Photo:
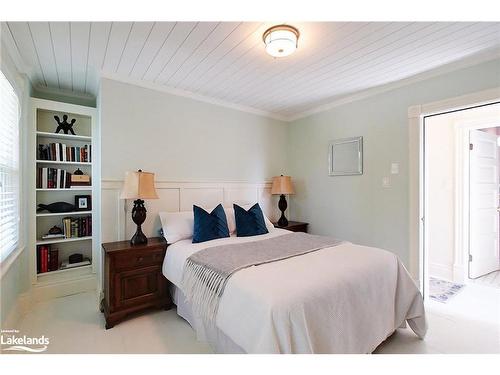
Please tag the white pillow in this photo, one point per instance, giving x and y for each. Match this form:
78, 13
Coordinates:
177, 225
231, 221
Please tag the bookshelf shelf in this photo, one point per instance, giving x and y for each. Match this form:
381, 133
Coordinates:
69, 137
88, 266
67, 189
48, 254
63, 162
62, 240
72, 213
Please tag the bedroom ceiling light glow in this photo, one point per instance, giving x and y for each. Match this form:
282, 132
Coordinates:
281, 40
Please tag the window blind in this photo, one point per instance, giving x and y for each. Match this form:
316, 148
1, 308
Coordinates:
9, 168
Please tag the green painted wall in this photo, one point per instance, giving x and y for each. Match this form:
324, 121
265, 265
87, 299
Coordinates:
358, 208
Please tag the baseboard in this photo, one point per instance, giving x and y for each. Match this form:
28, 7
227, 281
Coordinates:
441, 271
43, 292
458, 273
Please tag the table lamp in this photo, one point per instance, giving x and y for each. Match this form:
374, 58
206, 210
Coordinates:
282, 185
139, 186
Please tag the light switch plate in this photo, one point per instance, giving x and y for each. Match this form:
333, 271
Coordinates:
386, 182
394, 168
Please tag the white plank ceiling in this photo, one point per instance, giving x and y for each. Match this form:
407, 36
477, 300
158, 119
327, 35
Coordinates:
226, 62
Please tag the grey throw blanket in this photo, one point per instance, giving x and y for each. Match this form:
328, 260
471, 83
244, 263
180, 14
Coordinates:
207, 271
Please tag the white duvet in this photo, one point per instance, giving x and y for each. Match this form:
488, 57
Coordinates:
345, 299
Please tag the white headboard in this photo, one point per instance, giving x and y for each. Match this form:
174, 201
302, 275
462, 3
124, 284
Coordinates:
116, 223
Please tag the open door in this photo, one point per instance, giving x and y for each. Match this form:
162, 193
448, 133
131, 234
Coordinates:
484, 208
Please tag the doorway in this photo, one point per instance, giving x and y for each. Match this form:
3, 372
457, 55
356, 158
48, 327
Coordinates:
462, 210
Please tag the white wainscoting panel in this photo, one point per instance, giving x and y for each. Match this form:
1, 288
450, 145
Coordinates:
206, 197
178, 196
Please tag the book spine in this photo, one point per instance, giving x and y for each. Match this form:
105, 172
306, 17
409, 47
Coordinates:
58, 178
45, 178
38, 259
53, 260
44, 259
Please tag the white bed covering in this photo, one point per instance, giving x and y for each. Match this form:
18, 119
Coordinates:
345, 299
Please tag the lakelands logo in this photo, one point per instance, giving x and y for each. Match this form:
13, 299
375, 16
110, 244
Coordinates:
22, 343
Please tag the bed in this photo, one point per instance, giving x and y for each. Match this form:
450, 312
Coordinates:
342, 299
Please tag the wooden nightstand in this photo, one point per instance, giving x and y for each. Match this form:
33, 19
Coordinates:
133, 280
294, 226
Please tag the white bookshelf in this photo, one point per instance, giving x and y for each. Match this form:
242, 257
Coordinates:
64, 214
81, 188
43, 126
63, 136
62, 240
63, 162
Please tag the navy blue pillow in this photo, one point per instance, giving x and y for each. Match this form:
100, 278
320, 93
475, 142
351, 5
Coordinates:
209, 226
251, 222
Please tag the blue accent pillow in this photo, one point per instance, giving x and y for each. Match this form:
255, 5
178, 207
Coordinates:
209, 226
251, 222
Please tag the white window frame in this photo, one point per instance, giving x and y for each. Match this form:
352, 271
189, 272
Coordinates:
7, 260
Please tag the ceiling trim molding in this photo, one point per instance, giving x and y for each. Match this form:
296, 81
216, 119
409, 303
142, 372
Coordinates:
190, 95
448, 68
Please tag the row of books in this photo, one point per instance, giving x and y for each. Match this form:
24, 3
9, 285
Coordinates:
61, 152
53, 178
47, 259
77, 226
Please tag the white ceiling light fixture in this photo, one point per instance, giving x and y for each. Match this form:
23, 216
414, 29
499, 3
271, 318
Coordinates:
281, 40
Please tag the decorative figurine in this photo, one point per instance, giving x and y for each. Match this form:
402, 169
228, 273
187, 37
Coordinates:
64, 125
56, 207
55, 230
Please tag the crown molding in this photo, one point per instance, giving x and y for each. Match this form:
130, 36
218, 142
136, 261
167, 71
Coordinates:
457, 65
190, 95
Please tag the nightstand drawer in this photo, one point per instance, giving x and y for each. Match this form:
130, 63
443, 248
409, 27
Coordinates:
138, 259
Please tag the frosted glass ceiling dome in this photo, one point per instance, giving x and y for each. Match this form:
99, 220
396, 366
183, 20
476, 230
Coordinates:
281, 40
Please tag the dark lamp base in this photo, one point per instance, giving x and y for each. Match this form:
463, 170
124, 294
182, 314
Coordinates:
139, 238
138, 216
282, 205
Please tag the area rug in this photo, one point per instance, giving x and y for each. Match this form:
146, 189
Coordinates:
442, 291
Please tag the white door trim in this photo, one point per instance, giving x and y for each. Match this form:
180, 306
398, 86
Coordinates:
416, 116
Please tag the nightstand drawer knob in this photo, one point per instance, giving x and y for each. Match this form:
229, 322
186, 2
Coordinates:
140, 259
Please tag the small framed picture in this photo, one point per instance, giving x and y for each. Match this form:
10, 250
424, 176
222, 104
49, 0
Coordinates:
83, 202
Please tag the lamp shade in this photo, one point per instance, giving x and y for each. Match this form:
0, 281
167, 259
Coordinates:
139, 185
282, 185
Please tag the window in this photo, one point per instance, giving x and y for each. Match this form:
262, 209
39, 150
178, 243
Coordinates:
9, 168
